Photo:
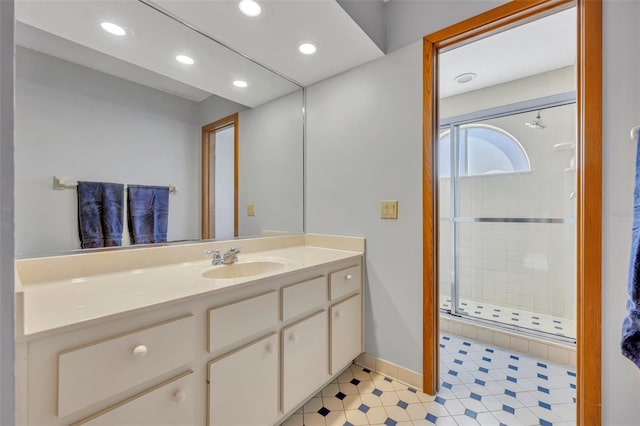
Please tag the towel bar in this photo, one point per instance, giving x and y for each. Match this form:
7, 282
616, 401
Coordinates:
60, 184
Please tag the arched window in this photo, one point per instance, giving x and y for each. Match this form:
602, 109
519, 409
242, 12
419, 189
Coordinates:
483, 150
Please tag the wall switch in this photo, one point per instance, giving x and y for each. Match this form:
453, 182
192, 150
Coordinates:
251, 209
389, 209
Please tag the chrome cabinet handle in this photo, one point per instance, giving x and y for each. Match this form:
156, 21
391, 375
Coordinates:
349, 276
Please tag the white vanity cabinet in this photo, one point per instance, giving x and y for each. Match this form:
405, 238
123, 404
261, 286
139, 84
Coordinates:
248, 356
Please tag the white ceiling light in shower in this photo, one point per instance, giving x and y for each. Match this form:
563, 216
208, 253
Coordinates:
240, 83
465, 78
250, 8
536, 123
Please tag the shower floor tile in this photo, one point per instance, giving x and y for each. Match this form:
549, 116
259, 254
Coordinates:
518, 317
481, 384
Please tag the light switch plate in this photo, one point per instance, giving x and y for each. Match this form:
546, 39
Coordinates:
251, 209
389, 209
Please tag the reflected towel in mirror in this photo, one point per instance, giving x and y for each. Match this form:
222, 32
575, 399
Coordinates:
631, 325
100, 214
148, 213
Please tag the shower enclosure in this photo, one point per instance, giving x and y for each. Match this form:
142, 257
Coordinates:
507, 210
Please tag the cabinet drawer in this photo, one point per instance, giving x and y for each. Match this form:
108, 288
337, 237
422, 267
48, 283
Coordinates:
345, 281
234, 322
97, 371
168, 404
303, 297
243, 386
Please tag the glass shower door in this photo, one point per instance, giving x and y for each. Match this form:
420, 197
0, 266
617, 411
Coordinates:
507, 220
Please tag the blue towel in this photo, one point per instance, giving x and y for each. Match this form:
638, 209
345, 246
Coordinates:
148, 213
631, 325
100, 214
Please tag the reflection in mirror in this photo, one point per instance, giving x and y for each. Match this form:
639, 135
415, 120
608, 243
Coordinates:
507, 178
118, 92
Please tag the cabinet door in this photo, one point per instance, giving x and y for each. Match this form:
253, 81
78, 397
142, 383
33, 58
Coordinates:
305, 347
346, 332
243, 386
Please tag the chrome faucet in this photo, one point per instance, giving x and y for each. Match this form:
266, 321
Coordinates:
217, 258
231, 256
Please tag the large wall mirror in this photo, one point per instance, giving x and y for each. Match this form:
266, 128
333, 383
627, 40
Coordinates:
127, 104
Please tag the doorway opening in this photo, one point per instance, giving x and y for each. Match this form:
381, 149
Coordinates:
220, 178
588, 197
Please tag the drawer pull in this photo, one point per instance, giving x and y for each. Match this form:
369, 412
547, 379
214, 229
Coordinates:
180, 396
140, 351
269, 349
293, 338
349, 276
338, 314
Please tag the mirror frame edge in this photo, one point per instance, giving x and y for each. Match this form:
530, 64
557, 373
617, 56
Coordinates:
589, 188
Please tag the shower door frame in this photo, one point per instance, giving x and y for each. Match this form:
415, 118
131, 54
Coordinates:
454, 124
589, 186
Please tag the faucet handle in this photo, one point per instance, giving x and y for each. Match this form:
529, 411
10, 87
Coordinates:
234, 250
217, 258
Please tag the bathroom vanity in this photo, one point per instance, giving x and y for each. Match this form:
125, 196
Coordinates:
159, 336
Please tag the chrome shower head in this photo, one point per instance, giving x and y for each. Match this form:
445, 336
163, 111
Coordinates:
536, 123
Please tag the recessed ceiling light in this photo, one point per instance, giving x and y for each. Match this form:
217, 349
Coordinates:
114, 29
307, 48
183, 59
240, 83
465, 78
250, 8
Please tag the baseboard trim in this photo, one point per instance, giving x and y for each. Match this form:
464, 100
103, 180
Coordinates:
393, 371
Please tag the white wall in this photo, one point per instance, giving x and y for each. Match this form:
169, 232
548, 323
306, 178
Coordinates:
7, 381
271, 166
82, 124
215, 108
363, 146
621, 111
410, 20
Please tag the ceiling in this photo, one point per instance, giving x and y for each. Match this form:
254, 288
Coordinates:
273, 37
71, 30
543, 45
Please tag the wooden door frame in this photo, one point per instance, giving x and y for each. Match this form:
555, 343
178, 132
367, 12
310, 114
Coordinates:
207, 172
589, 187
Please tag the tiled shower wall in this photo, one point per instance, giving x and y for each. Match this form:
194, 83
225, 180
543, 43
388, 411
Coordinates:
528, 266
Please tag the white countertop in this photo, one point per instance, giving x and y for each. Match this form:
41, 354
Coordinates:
56, 304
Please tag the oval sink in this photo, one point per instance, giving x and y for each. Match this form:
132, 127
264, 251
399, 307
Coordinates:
243, 269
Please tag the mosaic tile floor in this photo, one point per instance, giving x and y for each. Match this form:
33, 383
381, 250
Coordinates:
520, 317
481, 385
